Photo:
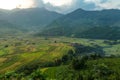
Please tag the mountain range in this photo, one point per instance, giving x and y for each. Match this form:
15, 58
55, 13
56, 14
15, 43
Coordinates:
29, 19
104, 24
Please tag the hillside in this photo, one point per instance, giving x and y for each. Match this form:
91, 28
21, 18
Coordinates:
7, 28
102, 24
30, 19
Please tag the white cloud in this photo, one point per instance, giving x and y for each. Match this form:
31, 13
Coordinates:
111, 4
104, 4
11, 4
70, 5
62, 6
58, 2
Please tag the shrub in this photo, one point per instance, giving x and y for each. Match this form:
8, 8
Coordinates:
101, 71
78, 63
36, 75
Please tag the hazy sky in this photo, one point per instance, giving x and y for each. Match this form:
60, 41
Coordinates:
62, 6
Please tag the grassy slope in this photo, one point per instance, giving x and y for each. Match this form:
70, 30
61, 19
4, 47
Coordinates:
22, 52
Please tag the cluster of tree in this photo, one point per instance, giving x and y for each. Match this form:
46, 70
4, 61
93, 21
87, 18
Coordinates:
78, 63
11, 76
36, 75
98, 71
83, 49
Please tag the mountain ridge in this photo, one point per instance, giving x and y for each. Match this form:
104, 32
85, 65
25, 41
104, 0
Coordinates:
78, 22
29, 18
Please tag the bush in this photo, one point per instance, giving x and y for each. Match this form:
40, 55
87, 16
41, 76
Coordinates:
101, 71
36, 75
94, 56
11, 76
78, 63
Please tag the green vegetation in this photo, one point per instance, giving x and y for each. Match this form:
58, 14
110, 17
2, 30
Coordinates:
101, 69
103, 24
18, 21
59, 58
82, 45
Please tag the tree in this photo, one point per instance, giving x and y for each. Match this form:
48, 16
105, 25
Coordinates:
36, 75
101, 71
78, 63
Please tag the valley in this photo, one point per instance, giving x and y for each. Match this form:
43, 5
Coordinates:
21, 57
38, 44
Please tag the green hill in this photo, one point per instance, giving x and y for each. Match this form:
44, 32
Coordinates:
7, 28
30, 19
87, 24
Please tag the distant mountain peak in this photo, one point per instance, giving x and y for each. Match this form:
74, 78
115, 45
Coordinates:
80, 9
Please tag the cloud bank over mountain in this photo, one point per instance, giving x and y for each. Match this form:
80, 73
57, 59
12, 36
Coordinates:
65, 6
104, 4
61, 6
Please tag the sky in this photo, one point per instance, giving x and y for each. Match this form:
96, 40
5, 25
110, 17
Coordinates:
61, 6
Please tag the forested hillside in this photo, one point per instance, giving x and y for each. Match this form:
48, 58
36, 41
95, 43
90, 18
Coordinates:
102, 24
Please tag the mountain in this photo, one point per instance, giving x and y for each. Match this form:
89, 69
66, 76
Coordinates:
7, 28
104, 24
31, 18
